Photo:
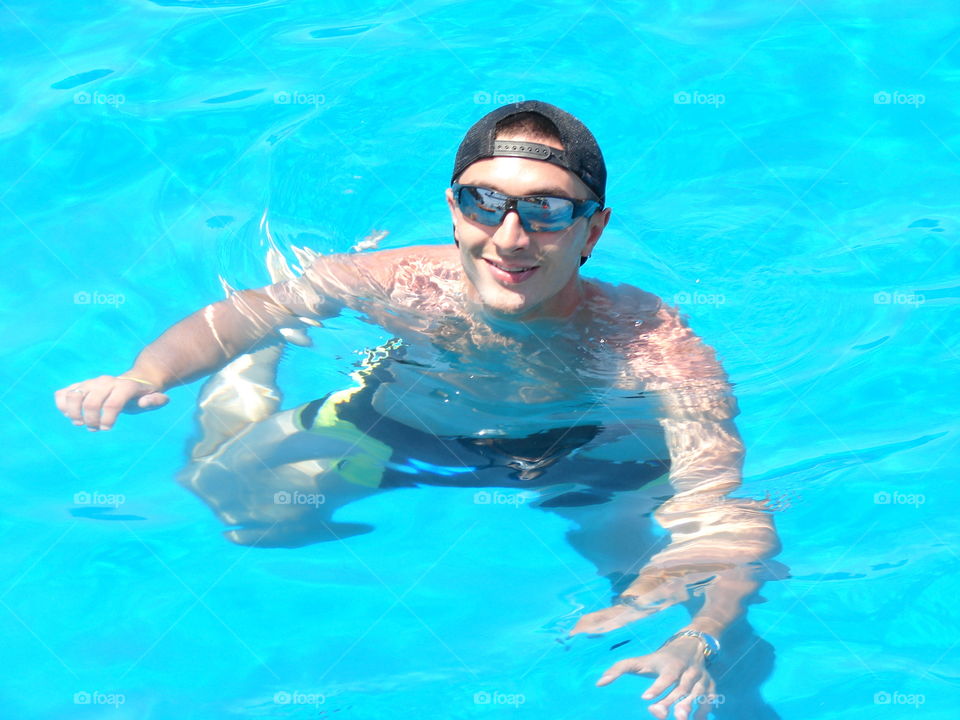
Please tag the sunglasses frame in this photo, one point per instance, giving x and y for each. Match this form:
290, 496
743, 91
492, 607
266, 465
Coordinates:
581, 208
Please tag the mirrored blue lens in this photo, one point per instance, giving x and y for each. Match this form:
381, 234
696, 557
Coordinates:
537, 213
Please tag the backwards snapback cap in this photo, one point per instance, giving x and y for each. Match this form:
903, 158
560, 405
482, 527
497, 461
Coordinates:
580, 155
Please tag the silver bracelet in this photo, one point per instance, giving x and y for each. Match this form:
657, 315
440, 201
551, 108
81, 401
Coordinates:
711, 646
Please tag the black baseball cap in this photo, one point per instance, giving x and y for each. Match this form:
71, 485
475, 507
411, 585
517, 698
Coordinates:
580, 155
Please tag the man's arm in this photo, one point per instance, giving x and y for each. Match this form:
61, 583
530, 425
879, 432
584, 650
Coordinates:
716, 542
207, 340
714, 539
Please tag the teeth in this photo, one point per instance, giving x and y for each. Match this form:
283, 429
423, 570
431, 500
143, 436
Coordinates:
512, 270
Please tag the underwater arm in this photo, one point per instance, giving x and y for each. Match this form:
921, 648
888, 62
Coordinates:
717, 543
216, 334
198, 345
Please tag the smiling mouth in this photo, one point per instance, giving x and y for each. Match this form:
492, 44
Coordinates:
510, 274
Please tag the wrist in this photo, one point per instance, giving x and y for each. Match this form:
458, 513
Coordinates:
706, 625
145, 377
709, 645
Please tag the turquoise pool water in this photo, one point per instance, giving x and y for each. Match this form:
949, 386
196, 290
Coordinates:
787, 173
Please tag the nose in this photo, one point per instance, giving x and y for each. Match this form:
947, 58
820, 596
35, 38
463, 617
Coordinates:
511, 236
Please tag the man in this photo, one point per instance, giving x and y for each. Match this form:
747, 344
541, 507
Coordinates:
508, 369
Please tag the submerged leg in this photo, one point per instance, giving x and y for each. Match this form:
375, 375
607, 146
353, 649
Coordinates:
278, 485
275, 483
259, 470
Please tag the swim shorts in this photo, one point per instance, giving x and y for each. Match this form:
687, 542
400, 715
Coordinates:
386, 453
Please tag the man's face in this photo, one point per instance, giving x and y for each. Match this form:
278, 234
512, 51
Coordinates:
548, 284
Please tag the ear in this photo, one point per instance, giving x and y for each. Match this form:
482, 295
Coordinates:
597, 223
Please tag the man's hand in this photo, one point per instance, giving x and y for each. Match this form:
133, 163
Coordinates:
97, 402
679, 664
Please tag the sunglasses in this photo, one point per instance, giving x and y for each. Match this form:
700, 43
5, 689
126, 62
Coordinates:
538, 213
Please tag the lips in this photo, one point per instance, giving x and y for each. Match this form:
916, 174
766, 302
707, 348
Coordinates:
510, 274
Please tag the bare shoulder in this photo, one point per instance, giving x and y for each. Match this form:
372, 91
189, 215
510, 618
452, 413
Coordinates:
627, 306
655, 338
402, 276
423, 255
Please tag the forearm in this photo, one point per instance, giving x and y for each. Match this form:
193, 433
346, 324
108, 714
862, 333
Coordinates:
724, 601
210, 338
715, 551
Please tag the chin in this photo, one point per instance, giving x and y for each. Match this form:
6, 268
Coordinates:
511, 305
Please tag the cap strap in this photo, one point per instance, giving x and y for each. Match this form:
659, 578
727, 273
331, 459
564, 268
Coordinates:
535, 151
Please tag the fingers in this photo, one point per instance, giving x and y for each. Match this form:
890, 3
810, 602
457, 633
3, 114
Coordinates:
629, 665
694, 686
707, 704
669, 674
691, 688
153, 400
96, 403
111, 406
702, 695
70, 401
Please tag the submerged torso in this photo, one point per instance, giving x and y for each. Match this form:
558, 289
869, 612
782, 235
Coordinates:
455, 372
